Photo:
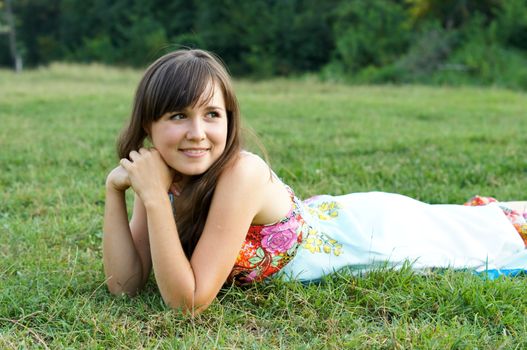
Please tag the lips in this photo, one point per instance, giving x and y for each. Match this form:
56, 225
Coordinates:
194, 152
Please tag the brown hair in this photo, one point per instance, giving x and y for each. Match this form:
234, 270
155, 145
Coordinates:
173, 82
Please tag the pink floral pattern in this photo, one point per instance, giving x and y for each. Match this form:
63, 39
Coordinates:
280, 238
268, 248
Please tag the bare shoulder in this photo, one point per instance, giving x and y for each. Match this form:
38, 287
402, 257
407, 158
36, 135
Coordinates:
247, 168
251, 179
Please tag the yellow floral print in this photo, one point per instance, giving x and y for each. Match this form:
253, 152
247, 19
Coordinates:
319, 242
326, 210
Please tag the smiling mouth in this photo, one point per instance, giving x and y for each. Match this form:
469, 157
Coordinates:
194, 152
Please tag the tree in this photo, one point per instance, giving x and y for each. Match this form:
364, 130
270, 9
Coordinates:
451, 13
17, 59
370, 33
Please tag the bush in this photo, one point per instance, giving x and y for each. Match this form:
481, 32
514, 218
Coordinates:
429, 52
511, 24
482, 57
265, 38
99, 49
370, 33
488, 64
143, 42
376, 41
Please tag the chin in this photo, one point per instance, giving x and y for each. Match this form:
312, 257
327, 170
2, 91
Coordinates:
193, 172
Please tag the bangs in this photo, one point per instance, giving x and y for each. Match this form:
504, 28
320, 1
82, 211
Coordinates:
174, 87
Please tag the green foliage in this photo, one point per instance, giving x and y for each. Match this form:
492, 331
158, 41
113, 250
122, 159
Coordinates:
260, 37
438, 144
98, 49
396, 41
370, 33
5, 55
37, 22
267, 38
119, 33
451, 13
144, 35
511, 24
480, 57
455, 42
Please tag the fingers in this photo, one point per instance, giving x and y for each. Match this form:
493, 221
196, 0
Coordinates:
143, 151
147, 170
135, 156
125, 163
141, 154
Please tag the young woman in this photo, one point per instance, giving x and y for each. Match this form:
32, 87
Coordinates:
206, 212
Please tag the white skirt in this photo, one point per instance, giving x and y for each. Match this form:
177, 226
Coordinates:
361, 231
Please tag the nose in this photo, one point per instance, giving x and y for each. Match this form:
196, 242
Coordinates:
196, 130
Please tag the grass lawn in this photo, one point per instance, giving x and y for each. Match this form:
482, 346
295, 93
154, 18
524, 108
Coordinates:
437, 144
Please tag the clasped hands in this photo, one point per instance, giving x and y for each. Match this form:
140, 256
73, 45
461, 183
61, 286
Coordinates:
147, 173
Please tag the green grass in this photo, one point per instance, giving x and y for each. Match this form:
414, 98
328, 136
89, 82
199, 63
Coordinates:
57, 132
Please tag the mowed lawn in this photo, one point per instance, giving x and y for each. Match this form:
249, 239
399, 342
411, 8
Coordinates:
439, 144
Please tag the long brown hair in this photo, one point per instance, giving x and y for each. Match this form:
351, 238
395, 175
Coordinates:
173, 82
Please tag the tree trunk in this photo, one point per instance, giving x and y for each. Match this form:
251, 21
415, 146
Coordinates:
17, 60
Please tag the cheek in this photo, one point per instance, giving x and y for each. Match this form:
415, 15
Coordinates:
222, 139
166, 137
224, 132
218, 134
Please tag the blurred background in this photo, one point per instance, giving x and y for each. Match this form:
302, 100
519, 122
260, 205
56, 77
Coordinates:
481, 42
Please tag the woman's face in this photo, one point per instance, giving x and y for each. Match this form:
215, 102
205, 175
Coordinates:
192, 139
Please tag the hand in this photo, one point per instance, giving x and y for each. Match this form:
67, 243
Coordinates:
149, 175
118, 179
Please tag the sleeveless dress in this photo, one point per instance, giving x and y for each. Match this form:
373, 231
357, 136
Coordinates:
364, 231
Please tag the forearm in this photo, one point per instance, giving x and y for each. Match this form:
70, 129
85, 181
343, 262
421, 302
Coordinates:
174, 274
122, 264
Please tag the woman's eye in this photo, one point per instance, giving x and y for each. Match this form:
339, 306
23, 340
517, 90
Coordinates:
177, 116
213, 114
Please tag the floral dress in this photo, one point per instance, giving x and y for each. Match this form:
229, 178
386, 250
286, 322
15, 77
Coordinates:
363, 231
268, 248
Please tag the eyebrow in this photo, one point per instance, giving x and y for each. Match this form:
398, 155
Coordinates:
206, 107
215, 107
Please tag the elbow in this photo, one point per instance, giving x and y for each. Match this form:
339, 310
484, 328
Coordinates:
189, 309
114, 288
117, 288
187, 305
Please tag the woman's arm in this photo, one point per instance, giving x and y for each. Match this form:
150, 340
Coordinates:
193, 285
126, 254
